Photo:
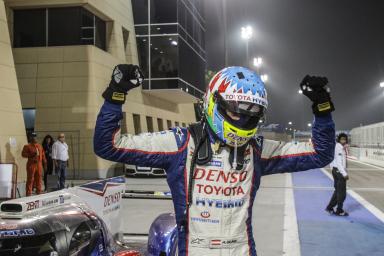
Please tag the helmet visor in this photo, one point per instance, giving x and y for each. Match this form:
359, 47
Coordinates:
239, 120
244, 108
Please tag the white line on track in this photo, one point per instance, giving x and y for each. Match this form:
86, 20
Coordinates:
370, 207
323, 188
363, 169
291, 242
360, 162
332, 188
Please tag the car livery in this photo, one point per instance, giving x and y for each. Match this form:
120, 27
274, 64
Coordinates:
65, 222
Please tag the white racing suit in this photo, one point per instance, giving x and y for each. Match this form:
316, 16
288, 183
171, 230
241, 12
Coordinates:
219, 220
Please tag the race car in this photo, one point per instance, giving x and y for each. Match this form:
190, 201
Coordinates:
162, 237
73, 222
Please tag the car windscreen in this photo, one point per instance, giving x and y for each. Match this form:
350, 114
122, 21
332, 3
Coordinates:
32, 245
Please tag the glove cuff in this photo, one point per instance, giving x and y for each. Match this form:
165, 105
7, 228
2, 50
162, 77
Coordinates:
322, 108
114, 96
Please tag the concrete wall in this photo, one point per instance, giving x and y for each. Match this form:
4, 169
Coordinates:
276, 136
64, 84
12, 131
368, 155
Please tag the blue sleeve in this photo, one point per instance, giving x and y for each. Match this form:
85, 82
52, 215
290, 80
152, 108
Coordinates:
280, 157
158, 149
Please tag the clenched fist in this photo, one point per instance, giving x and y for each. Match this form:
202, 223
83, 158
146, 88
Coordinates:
124, 78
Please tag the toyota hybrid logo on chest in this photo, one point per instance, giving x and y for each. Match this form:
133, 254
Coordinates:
205, 214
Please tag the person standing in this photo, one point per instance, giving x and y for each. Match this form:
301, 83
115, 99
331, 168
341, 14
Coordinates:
214, 167
36, 159
60, 159
47, 145
340, 177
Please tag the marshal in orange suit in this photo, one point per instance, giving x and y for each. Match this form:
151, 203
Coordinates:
36, 158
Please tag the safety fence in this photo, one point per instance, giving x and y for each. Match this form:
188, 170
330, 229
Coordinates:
368, 155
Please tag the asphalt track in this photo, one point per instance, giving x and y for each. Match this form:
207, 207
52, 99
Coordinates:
362, 233
368, 181
289, 217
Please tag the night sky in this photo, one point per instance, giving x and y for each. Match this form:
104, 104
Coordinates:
340, 39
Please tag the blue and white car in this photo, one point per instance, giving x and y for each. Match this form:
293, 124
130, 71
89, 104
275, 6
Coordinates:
79, 221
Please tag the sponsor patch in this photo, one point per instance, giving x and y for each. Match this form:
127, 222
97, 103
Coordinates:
220, 243
257, 99
324, 106
259, 141
17, 232
205, 214
205, 217
179, 133
8, 226
197, 240
49, 202
219, 203
33, 205
117, 75
118, 96
215, 163
219, 190
215, 243
204, 220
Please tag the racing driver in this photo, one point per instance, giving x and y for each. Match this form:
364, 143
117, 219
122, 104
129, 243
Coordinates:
214, 166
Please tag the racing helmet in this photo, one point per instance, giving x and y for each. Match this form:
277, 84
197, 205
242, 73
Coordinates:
234, 103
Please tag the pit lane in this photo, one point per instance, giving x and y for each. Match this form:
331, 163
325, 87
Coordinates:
269, 205
280, 221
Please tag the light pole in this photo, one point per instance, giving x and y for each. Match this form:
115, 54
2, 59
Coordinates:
290, 123
382, 86
246, 34
257, 62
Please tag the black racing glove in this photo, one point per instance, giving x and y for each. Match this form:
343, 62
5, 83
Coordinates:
124, 78
315, 88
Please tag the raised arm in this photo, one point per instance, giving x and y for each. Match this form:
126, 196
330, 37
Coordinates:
279, 157
149, 149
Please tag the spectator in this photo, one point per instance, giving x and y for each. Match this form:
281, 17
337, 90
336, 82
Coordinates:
340, 177
60, 159
36, 158
47, 145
